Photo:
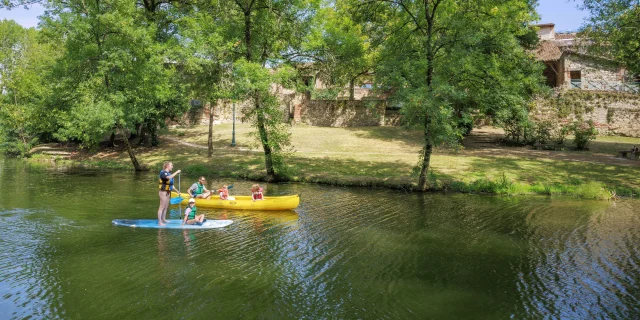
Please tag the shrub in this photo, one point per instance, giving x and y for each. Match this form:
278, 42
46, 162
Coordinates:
593, 190
559, 133
584, 132
542, 131
516, 124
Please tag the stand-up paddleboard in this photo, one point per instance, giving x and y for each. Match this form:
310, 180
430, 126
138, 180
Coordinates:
171, 224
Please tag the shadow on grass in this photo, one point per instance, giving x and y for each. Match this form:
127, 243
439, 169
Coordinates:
610, 147
481, 171
410, 137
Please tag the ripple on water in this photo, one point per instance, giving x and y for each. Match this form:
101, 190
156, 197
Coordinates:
344, 253
584, 267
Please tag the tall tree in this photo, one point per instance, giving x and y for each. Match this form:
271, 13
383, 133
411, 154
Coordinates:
207, 57
25, 63
447, 59
114, 72
613, 30
266, 30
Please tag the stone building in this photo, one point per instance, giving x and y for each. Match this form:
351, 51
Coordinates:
570, 66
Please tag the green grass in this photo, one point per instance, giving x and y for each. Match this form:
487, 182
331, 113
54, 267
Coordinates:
385, 157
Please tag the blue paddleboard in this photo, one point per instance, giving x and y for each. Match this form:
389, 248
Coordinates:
171, 224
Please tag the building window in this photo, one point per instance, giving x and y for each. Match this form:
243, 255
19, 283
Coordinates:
576, 79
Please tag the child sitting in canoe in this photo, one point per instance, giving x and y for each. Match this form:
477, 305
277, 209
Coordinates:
256, 192
190, 214
224, 193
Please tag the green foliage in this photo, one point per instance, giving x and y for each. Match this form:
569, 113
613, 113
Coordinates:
447, 60
584, 132
516, 124
339, 48
592, 190
115, 72
253, 82
610, 114
25, 61
613, 31
542, 131
559, 132
326, 94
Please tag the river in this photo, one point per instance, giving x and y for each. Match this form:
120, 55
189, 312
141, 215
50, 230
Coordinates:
345, 253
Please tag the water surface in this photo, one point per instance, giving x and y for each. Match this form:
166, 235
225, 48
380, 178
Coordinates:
345, 253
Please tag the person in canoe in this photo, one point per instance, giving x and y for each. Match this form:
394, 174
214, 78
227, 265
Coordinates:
191, 215
198, 190
165, 182
224, 193
256, 192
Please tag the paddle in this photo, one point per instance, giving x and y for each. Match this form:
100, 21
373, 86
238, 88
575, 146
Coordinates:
177, 199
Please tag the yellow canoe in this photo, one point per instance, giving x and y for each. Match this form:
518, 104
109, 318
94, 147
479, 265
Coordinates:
245, 202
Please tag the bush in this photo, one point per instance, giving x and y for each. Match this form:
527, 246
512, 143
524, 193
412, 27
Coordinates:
560, 132
584, 132
593, 190
15, 148
542, 131
516, 124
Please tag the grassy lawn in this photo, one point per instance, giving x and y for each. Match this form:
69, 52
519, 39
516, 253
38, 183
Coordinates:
385, 156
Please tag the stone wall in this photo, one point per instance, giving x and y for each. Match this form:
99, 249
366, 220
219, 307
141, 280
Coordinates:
613, 113
591, 71
346, 113
223, 110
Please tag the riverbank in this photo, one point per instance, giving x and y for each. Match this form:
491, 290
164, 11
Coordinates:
385, 157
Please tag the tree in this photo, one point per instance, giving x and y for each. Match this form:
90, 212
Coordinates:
114, 72
338, 47
613, 29
24, 65
207, 59
266, 31
446, 59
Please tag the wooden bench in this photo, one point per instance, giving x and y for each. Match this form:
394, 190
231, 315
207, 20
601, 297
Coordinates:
628, 154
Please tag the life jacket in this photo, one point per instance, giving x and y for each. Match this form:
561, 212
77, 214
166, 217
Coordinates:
199, 189
224, 194
165, 184
192, 214
258, 195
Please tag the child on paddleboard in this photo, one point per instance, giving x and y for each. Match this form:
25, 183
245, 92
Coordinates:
224, 193
191, 215
256, 192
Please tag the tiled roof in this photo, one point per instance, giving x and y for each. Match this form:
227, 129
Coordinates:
547, 51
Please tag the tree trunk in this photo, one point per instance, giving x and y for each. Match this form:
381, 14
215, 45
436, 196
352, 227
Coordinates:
428, 144
210, 140
426, 156
247, 33
352, 95
112, 140
132, 155
264, 139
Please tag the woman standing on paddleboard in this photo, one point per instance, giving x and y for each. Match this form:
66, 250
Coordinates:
166, 186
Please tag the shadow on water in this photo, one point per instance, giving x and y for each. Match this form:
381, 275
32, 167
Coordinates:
344, 253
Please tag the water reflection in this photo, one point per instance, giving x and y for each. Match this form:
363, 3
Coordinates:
584, 266
344, 253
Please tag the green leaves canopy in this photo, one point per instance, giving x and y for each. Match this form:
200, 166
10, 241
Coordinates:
613, 30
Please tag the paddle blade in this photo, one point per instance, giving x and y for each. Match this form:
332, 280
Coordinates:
176, 200
230, 187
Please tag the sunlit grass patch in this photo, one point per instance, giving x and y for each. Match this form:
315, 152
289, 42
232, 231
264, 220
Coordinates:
385, 157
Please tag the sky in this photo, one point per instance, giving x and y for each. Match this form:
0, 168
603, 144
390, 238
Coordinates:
564, 13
